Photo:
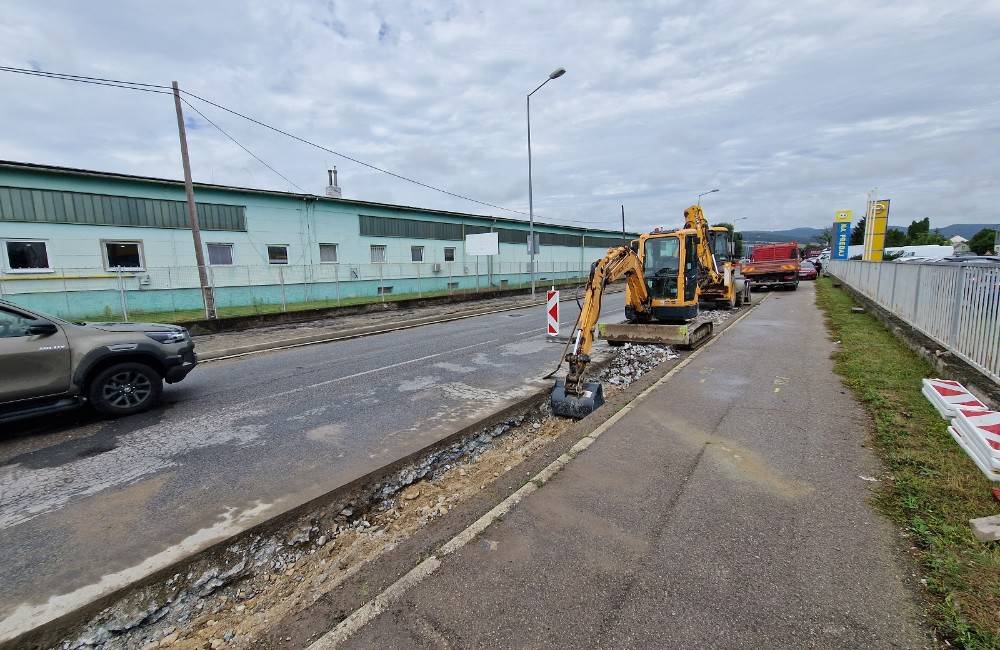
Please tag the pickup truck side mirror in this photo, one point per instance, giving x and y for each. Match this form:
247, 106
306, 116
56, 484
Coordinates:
41, 328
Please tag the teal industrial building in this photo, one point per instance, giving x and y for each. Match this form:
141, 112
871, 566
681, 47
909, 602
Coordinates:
82, 243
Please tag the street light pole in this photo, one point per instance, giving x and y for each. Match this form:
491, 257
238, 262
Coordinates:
555, 74
704, 193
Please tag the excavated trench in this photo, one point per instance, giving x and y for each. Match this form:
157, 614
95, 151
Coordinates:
231, 597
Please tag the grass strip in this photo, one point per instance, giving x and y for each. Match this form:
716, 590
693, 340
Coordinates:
932, 488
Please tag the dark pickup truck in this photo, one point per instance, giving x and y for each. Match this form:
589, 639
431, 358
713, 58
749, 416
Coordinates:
48, 364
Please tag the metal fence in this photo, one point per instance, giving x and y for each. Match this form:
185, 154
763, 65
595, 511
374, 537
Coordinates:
956, 305
173, 293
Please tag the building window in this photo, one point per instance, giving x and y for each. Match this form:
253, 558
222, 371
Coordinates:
449, 254
27, 255
384, 290
220, 254
378, 254
452, 285
416, 253
328, 253
277, 254
125, 255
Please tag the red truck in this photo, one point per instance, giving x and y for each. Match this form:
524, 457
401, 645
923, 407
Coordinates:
774, 265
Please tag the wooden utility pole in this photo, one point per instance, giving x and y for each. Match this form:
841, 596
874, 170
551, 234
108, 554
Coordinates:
624, 238
207, 293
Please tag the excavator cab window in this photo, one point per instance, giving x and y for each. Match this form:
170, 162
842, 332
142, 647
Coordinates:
661, 265
691, 269
721, 247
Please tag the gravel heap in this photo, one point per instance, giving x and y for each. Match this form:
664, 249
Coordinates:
633, 360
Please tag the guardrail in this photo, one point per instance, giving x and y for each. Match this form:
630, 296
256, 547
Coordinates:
956, 305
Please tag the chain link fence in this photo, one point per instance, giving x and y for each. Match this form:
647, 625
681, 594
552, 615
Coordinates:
174, 293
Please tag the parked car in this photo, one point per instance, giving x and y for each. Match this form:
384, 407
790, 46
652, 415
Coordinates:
984, 260
48, 364
807, 271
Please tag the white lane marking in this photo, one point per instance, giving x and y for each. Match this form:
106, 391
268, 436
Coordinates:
394, 592
373, 370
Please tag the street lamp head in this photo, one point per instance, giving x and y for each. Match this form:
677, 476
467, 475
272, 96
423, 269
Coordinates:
558, 72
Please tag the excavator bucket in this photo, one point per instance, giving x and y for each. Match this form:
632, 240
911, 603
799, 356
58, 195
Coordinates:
576, 406
687, 335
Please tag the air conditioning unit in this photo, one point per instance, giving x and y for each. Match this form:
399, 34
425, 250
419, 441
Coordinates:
436, 267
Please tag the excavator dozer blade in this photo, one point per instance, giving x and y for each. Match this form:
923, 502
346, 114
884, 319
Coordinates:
576, 406
687, 336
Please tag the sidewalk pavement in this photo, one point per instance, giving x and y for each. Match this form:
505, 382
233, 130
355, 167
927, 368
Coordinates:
726, 509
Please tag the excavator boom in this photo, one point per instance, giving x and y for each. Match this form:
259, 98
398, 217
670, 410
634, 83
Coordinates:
665, 274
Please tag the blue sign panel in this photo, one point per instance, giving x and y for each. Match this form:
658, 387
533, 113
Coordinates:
841, 240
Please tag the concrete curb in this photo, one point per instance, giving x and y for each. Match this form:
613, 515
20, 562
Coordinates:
394, 592
52, 632
343, 335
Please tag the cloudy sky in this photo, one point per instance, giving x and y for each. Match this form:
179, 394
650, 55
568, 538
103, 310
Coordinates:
792, 110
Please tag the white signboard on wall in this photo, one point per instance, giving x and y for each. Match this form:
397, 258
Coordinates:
487, 243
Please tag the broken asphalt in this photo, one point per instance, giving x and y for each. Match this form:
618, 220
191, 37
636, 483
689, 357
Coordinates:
727, 508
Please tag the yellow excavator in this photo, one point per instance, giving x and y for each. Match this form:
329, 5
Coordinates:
668, 274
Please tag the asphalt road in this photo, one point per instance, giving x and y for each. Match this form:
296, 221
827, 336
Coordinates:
728, 509
87, 505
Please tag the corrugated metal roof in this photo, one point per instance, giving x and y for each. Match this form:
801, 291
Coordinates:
57, 206
54, 169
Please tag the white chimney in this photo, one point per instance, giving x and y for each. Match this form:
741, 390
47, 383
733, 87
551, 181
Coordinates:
332, 190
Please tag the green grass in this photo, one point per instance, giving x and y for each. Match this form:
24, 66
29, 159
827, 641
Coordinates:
934, 488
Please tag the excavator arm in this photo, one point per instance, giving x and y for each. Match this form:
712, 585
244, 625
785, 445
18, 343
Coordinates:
618, 262
694, 219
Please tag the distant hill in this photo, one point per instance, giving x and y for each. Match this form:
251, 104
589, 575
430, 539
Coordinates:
800, 235
966, 230
805, 235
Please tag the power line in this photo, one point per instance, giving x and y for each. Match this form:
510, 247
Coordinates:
240, 145
351, 158
166, 90
97, 81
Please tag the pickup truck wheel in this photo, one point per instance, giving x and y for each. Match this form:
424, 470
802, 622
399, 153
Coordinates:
125, 388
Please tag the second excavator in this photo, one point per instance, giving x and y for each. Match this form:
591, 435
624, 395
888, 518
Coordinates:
668, 274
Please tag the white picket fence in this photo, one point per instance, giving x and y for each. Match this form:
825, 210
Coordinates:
956, 305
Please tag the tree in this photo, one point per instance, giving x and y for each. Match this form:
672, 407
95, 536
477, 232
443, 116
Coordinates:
825, 238
928, 238
737, 237
895, 237
858, 232
982, 242
918, 229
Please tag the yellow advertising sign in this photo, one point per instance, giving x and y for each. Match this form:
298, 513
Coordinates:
876, 224
843, 216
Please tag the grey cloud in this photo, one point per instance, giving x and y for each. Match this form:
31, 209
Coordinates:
792, 110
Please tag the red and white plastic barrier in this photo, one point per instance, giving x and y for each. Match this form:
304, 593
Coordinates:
949, 396
552, 312
980, 431
974, 427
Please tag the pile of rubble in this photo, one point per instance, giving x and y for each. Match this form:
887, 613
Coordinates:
716, 316
633, 360
202, 606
